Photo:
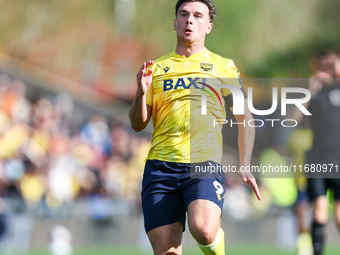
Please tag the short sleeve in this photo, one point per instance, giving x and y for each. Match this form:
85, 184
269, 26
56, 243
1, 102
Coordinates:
149, 95
232, 77
149, 92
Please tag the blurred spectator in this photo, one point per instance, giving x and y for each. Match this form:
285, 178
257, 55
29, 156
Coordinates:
61, 168
19, 222
120, 140
21, 108
96, 133
32, 184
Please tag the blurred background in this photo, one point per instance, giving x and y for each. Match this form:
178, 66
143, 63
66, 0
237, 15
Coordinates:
71, 166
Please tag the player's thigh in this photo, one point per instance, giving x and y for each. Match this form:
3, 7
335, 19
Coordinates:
204, 220
166, 239
204, 202
161, 203
161, 209
211, 189
316, 187
321, 209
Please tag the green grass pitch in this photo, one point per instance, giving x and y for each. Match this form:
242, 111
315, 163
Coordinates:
333, 250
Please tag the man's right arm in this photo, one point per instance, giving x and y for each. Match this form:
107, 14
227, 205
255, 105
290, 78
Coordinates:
140, 112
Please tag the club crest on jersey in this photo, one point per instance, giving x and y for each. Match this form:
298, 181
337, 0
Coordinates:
206, 67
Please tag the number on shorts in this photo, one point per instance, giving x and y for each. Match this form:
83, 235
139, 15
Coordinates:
219, 188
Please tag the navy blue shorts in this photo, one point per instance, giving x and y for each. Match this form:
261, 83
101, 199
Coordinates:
168, 190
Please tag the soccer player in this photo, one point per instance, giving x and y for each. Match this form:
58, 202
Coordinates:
166, 91
325, 124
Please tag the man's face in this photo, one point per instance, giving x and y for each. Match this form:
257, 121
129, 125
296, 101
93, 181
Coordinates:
327, 64
192, 22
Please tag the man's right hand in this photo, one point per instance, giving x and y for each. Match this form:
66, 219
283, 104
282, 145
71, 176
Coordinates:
144, 79
140, 112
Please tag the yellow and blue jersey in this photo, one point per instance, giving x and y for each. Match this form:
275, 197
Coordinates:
181, 134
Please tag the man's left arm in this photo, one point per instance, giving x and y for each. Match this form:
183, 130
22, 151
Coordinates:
246, 137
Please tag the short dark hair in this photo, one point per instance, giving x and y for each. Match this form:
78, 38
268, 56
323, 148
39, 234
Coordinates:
326, 54
208, 3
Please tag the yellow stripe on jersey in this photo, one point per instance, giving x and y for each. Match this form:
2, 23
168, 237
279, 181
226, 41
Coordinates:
181, 134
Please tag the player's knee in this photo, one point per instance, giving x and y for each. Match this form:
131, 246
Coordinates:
321, 213
163, 250
321, 216
204, 235
169, 252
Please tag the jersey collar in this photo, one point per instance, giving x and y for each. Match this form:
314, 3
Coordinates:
197, 55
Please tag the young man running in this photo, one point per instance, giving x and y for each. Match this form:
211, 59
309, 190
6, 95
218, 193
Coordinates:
166, 91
